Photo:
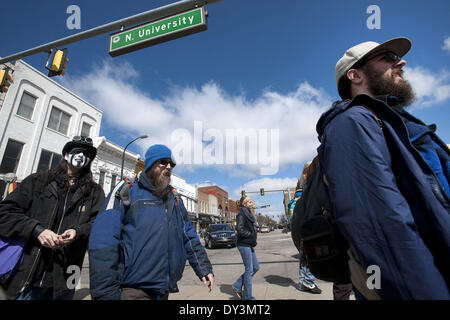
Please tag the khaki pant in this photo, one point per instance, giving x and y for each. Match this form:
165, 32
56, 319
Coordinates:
138, 294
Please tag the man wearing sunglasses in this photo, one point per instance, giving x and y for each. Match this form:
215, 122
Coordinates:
387, 175
53, 211
156, 236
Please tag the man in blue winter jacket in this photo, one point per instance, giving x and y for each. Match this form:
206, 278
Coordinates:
388, 178
138, 247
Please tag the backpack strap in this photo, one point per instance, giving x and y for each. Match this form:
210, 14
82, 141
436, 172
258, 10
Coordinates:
177, 197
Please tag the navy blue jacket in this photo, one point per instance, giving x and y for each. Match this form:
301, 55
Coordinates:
387, 200
144, 246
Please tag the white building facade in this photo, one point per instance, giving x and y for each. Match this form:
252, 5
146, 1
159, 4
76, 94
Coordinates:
106, 167
186, 192
38, 117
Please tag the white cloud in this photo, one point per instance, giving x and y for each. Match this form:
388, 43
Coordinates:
446, 45
430, 87
111, 87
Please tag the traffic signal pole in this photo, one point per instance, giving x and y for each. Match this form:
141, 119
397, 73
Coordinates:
150, 15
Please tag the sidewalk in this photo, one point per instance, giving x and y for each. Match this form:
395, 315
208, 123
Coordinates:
264, 291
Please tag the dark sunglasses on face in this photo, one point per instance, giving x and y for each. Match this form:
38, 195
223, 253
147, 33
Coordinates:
82, 139
391, 57
166, 162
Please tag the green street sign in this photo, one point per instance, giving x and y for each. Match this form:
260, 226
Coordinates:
152, 33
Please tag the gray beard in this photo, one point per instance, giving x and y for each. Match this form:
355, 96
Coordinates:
161, 184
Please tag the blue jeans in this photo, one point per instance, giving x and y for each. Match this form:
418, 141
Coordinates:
251, 267
305, 276
37, 293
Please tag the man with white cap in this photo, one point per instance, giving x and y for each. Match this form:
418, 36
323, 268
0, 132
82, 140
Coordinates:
138, 248
394, 210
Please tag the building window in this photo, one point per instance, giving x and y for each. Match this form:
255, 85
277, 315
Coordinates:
86, 129
59, 121
11, 157
26, 106
101, 180
48, 160
10, 162
113, 181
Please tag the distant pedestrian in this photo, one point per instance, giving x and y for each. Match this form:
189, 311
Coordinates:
306, 280
138, 250
54, 211
246, 241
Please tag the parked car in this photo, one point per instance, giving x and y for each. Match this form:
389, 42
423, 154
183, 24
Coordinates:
219, 235
265, 229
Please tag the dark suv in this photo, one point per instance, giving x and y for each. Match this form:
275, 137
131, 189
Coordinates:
219, 235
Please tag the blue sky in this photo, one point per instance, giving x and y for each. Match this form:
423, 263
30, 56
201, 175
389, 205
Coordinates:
261, 66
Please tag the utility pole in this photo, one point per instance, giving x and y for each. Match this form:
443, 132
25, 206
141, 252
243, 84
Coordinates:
137, 19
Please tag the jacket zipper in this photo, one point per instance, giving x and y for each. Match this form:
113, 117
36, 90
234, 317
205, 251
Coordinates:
437, 187
57, 232
33, 267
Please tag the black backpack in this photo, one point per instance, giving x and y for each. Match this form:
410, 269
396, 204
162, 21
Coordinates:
314, 230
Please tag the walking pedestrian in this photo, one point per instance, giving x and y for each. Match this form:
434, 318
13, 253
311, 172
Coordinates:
152, 233
246, 242
387, 174
306, 280
54, 212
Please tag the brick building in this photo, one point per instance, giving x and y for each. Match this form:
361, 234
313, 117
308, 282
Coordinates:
222, 201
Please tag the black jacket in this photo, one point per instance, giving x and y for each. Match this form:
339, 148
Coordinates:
34, 205
246, 228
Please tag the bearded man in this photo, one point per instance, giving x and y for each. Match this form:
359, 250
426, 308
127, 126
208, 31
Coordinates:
54, 212
387, 175
138, 247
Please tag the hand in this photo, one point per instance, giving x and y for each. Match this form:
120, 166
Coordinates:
68, 236
211, 281
49, 239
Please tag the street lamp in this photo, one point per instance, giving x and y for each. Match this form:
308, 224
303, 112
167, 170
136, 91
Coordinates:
196, 197
123, 154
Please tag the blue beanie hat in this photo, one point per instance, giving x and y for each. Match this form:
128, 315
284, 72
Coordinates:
155, 153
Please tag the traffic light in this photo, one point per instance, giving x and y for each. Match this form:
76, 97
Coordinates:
243, 193
261, 191
58, 63
5, 79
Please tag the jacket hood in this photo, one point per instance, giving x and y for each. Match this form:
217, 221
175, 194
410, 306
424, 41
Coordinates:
339, 106
144, 182
336, 108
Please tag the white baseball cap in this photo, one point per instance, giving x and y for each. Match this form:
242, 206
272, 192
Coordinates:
400, 46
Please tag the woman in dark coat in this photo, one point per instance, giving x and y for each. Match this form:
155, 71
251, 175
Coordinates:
246, 241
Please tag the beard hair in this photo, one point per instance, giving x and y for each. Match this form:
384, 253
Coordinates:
161, 183
379, 86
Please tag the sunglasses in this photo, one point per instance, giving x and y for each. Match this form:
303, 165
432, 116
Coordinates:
166, 162
82, 139
390, 57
